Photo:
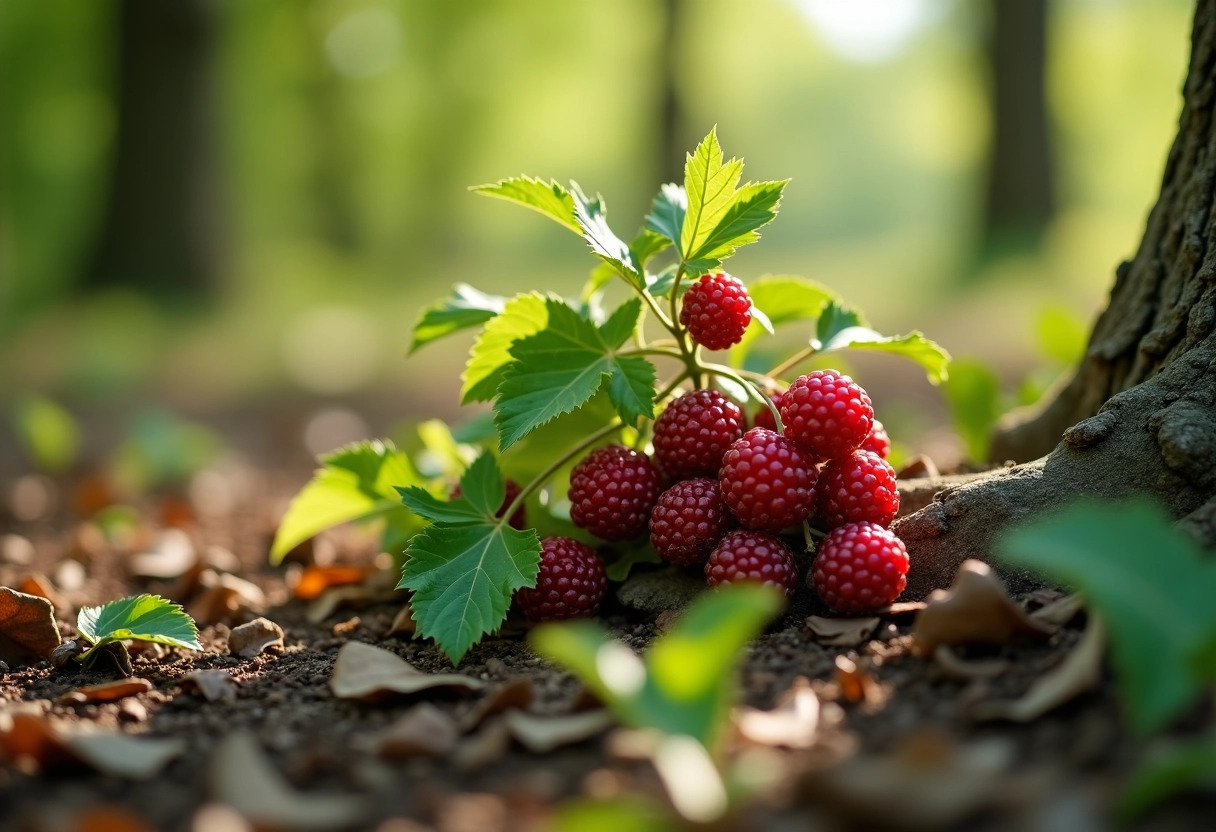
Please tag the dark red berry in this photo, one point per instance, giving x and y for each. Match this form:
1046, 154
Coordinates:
858, 487
826, 413
570, 584
859, 568
518, 517
764, 416
752, 556
716, 310
877, 441
694, 431
612, 492
688, 521
766, 482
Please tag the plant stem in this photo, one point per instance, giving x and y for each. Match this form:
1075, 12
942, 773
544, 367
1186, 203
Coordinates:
793, 361
541, 478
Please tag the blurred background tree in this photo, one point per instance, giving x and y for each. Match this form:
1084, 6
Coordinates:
227, 205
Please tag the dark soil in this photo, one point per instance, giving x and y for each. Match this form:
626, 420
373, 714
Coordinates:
1063, 771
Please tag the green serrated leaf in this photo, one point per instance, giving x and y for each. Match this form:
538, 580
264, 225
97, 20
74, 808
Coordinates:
785, 299
482, 485
592, 218
463, 578
621, 324
753, 206
835, 319
425, 504
549, 198
1150, 583
490, 355
841, 328
140, 617
709, 185
646, 245
355, 482
560, 368
666, 217
660, 285
466, 307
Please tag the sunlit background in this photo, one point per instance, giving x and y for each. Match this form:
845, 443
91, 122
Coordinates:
231, 212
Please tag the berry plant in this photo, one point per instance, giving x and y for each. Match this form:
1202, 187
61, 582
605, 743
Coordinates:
623, 430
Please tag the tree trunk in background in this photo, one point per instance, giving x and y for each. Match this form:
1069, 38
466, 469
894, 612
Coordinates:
671, 143
159, 226
1139, 416
1020, 191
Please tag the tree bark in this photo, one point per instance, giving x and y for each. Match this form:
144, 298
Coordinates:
1139, 415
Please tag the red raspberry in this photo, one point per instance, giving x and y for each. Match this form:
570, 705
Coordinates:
878, 442
767, 482
753, 556
859, 568
764, 417
826, 413
716, 311
612, 492
570, 584
858, 487
694, 431
519, 517
688, 521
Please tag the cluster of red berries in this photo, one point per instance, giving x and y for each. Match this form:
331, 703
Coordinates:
718, 494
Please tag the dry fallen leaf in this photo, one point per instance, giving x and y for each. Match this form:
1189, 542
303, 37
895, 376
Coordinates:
487, 746
171, 555
516, 693
1080, 672
1060, 611
403, 623
316, 579
370, 673
106, 692
423, 731
975, 610
841, 632
32, 739
955, 666
214, 685
254, 637
857, 684
541, 734
240, 776
28, 631
38, 584
793, 723
224, 597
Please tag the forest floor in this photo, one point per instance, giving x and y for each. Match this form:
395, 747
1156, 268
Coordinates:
895, 741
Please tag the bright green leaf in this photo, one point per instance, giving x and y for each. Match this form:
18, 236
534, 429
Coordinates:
425, 504
784, 299
1180, 768
467, 307
973, 393
482, 485
1151, 584
48, 432
709, 185
1061, 335
835, 322
549, 198
621, 324
353, 483
753, 206
660, 285
141, 617
592, 217
560, 368
463, 578
646, 245
666, 217
841, 328
490, 356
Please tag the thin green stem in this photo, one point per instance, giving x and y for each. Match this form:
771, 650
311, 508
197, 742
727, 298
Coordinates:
652, 350
541, 478
793, 361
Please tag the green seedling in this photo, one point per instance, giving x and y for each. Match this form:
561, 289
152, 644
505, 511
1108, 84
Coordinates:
139, 618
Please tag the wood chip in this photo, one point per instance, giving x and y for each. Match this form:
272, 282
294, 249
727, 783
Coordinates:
28, 632
541, 734
370, 674
214, 685
842, 632
974, 610
254, 638
106, 692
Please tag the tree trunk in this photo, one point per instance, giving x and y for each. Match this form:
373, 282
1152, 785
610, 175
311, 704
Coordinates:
1139, 415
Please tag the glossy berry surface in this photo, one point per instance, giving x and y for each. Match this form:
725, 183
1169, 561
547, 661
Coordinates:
612, 492
519, 518
859, 568
693, 433
877, 441
752, 556
826, 413
716, 311
570, 584
688, 521
856, 488
766, 482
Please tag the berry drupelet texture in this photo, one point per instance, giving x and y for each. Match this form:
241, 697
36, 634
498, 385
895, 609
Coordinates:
764, 416
826, 414
859, 568
612, 492
570, 584
716, 311
753, 556
858, 487
688, 521
877, 441
766, 482
694, 431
